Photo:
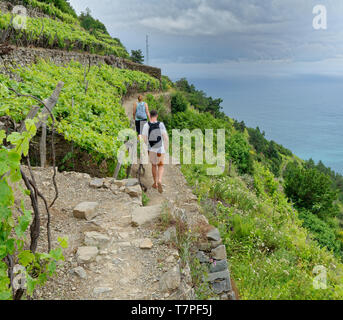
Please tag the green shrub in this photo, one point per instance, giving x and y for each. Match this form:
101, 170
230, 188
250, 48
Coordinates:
178, 103
311, 189
321, 231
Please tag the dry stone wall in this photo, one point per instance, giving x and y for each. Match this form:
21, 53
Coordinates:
22, 56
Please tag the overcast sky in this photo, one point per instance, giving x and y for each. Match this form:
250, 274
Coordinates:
214, 38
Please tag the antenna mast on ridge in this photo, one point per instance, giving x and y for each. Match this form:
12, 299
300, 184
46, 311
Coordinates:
147, 49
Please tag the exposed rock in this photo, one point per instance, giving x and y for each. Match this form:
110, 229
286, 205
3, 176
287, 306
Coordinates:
171, 280
101, 290
108, 183
86, 210
232, 296
80, 272
217, 266
219, 253
186, 274
221, 286
143, 215
186, 292
114, 189
123, 235
224, 297
213, 235
202, 257
86, 254
204, 246
215, 244
96, 183
170, 259
146, 244
131, 182
169, 234
119, 183
96, 239
218, 275
135, 191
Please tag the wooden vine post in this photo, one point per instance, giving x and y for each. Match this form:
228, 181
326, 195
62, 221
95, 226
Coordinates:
50, 103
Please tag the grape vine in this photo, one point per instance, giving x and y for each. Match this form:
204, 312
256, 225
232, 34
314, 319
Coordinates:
22, 269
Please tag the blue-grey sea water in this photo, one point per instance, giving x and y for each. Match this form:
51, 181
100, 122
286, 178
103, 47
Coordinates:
304, 113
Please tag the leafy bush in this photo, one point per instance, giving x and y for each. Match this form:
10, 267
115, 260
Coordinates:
166, 83
91, 24
178, 103
310, 189
239, 150
199, 99
321, 231
158, 105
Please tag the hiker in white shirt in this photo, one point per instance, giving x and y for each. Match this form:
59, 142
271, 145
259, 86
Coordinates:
156, 137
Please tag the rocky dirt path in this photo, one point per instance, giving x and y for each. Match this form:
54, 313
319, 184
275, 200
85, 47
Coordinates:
121, 250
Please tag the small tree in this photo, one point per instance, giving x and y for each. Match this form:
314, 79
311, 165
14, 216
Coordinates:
311, 189
137, 56
178, 103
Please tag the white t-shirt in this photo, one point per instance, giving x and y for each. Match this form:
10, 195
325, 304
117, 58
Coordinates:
145, 133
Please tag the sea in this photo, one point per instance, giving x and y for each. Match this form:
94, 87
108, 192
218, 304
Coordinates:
303, 113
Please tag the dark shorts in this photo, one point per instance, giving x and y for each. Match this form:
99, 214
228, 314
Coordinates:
139, 126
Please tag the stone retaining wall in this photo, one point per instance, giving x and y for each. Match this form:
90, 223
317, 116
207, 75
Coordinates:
213, 255
210, 252
21, 56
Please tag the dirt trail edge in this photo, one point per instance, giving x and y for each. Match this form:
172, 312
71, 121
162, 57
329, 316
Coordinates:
119, 252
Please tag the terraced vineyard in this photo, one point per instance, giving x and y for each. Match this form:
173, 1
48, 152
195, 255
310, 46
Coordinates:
63, 32
89, 114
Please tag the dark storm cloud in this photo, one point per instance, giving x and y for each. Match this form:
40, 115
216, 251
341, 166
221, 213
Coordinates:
220, 31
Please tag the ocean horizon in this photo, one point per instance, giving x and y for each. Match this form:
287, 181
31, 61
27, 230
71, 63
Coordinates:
302, 113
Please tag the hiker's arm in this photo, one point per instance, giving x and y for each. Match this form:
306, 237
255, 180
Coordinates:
147, 111
134, 111
145, 139
166, 141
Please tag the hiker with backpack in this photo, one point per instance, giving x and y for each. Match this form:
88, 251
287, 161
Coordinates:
141, 114
156, 137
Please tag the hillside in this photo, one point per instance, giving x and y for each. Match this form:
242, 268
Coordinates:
48, 26
277, 218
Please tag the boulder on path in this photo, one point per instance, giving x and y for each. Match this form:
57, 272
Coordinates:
171, 280
101, 290
96, 183
146, 244
86, 254
143, 215
96, 239
86, 210
80, 272
135, 191
131, 182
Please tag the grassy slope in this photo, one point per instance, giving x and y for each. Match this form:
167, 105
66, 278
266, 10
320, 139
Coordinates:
271, 255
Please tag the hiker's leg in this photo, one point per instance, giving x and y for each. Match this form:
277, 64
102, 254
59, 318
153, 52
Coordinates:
160, 167
160, 172
153, 160
154, 174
